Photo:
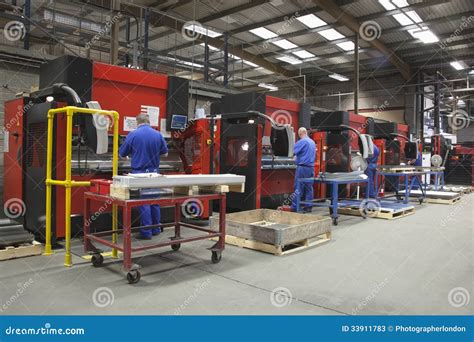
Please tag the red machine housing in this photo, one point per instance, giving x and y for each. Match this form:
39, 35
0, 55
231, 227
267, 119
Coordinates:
115, 88
269, 179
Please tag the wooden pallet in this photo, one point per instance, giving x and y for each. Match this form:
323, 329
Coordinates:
383, 213
275, 249
12, 252
442, 200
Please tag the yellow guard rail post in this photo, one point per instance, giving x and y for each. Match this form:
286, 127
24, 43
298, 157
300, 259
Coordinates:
68, 183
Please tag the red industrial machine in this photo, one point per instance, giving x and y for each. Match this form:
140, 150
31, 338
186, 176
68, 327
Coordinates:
72, 80
250, 145
336, 135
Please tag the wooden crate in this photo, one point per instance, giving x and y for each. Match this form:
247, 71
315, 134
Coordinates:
13, 252
277, 250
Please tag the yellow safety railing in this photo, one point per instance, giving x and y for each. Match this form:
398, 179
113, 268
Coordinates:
68, 183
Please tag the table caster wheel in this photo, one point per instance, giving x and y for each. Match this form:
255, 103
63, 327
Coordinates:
335, 221
176, 246
216, 257
97, 260
133, 276
420, 201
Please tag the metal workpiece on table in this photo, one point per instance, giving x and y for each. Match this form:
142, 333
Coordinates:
132, 270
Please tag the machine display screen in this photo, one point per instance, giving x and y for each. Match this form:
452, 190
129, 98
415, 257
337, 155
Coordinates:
179, 121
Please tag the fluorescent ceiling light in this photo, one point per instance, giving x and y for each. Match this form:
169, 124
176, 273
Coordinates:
311, 21
190, 64
393, 4
264, 33
407, 18
234, 57
202, 30
210, 47
250, 63
285, 44
457, 65
290, 60
339, 77
331, 34
346, 46
303, 54
424, 34
268, 86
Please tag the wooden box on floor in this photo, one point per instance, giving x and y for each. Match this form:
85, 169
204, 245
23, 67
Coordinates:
275, 231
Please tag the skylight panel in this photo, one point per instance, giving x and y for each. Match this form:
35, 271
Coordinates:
311, 21
285, 44
290, 60
264, 33
303, 54
331, 34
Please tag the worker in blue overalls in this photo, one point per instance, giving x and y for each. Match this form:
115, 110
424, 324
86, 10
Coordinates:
417, 162
305, 154
145, 146
371, 171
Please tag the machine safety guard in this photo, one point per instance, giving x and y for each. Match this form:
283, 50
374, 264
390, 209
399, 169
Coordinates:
68, 183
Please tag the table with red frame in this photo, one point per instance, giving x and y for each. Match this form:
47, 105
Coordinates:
133, 273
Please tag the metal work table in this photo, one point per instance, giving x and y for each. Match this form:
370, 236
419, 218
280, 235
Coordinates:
132, 270
334, 200
407, 182
438, 179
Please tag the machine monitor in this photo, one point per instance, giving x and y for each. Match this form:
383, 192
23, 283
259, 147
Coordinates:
179, 121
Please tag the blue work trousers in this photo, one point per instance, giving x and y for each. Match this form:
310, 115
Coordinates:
305, 192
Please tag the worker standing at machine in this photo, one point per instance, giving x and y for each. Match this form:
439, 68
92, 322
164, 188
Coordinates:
305, 154
371, 171
417, 162
145, 146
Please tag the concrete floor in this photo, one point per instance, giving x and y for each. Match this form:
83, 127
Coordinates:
406, 266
